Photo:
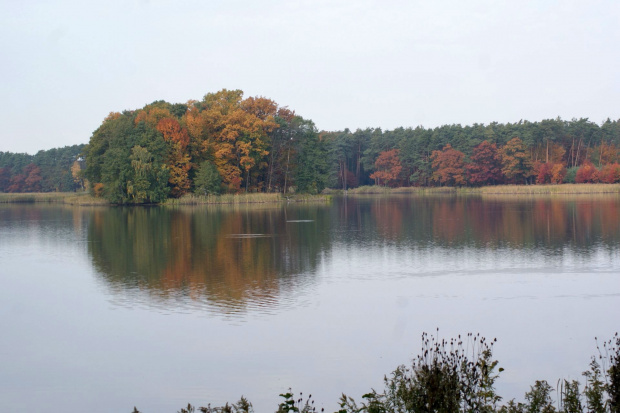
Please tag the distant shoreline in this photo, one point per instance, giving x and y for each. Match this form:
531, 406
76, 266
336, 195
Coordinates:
85, 199
559, 189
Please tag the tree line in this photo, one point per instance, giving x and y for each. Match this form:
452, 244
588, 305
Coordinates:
54, 170
226, 143
549, 151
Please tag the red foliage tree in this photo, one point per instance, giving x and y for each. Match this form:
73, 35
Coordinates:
448, 166
32, 183
610, 174
17, 183
486, 165
587, 174
542, 171
387, 168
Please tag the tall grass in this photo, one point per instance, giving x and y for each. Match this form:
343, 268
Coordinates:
545, 189
382, 190
570, 189
68, 198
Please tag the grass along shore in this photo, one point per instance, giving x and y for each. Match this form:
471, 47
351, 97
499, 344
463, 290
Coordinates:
85, 199
66, 198
566, 189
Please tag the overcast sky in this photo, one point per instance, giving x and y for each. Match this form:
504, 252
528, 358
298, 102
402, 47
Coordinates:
64, 65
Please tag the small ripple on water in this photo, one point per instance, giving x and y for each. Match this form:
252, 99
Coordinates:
249, 235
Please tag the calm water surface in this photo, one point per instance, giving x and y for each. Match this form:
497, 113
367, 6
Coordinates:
104, 309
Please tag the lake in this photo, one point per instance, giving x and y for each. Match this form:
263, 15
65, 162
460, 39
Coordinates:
104, 309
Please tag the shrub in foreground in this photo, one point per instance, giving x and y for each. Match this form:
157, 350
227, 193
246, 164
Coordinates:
459, 375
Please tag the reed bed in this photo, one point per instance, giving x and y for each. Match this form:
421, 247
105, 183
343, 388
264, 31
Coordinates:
382, 190
568, 189
565, 189
68, 198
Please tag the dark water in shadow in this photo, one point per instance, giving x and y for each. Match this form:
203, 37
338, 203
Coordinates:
108, 308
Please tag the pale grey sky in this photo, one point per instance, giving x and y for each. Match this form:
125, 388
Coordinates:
65, 65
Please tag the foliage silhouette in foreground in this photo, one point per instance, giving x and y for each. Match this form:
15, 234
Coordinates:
459, 375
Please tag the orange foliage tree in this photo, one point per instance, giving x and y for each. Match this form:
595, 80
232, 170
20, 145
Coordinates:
238, 134
387, 168
448, 166
558, 172
178, 161
587, 173
516, 163
610, 174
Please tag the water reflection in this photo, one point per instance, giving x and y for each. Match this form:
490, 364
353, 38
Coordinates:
226, 258
543, 222
235, 260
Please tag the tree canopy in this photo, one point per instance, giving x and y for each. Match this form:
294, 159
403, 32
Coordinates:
228, 143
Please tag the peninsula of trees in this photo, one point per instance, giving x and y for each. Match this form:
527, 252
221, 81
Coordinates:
226, 143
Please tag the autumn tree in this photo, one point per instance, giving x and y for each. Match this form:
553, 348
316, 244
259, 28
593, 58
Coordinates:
542, 172
32, 181
153, 114
77, 174
238, 133
486, 165
16, 183
558, 173
610, 173
448, 166
516, 163
387, 168
178, 160
587, 174
603, 154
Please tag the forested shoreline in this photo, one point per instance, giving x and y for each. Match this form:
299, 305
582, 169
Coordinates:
53, 170
228, 144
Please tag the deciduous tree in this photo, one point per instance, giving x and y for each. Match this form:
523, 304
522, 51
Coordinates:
486, 165
387, 168
516, 163
558, 173
448, 166
610, 173
178, 160
587, 174
32, 182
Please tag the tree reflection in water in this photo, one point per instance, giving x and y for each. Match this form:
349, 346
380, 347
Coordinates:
235, 258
